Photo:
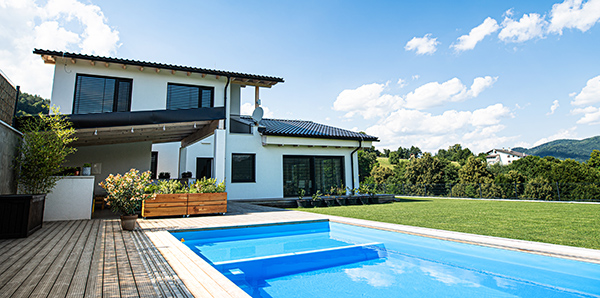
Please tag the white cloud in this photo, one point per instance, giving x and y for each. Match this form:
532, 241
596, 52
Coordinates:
530, 26
366, 100
402, 83
434, 94
248, 108
574, 14
553, 108
590, 94
477, 34
561, 134
416, 77
476, 129
58, 25
422, 45
591, 115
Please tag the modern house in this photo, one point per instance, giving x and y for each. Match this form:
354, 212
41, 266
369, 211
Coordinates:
503, 156
170, 118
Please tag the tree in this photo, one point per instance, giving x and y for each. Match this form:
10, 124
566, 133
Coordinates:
29, 105
594, 161
386, 152
425, 170
394, 158
415, 151
366, 162
44, 148
474, 171
455, 153
381, 174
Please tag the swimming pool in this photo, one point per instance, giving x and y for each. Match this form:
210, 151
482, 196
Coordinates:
328, 259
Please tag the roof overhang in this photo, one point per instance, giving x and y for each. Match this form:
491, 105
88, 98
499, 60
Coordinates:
157, 126
50, 57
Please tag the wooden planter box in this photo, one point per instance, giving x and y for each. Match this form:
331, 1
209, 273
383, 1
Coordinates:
185, 204
21, 215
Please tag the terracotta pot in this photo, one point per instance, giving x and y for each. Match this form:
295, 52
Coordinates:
128, 222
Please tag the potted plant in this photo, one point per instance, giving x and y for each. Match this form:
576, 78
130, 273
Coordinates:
164, 175
86, 170
186, 175
317, 201
301, 201
340, 199
363, 195
125, 193
352, 198
330, 197
44, 148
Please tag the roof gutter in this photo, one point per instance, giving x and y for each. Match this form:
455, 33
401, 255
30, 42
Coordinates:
352, 161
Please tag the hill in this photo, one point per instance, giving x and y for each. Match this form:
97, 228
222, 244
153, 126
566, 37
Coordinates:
578, 150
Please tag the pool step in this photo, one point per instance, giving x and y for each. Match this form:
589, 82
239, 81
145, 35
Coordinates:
266, 267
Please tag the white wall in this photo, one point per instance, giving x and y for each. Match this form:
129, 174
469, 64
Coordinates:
149, 90
118, 158
70, 199
168, 158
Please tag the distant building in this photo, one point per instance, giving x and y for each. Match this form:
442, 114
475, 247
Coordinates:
503, 156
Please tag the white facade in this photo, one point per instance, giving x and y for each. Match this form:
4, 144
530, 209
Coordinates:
503, 156
149, 92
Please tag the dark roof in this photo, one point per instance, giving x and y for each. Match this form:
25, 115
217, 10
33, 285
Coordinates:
516, 153
307, 129
273, 80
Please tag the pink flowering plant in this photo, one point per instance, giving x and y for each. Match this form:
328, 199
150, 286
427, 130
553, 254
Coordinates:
126, 192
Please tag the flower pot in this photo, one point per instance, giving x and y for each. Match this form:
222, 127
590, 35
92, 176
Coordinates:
304, 203
86, 171
364, 200
319, 203
329, 201
21, 215
341, 201
128, 222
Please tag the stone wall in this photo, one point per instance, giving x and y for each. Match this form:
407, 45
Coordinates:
8, 100
11, 138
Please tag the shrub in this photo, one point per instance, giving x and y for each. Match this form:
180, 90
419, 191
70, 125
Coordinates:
126, 192
205, 185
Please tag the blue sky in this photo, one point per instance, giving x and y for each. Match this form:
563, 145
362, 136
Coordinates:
485, 74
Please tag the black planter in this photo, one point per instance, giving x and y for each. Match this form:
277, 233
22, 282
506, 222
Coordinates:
341, 201
374, 200
329, 201
319, 203
304, 203
21, 215
364, 200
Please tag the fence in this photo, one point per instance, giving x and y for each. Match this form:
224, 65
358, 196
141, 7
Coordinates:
587, 192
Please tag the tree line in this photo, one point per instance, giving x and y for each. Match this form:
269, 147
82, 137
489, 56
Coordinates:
458, 172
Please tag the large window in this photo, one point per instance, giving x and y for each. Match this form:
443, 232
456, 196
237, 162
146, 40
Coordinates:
312, 173
243, 167
96, 94
189, 96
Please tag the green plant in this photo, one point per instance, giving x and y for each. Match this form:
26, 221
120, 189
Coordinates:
301, 193
317, 195
126, 192
43, 150
169, 187
340, 191
87, 165
352, 190
205, 185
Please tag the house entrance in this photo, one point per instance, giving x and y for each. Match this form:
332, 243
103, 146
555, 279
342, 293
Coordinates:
203, 167
311, 173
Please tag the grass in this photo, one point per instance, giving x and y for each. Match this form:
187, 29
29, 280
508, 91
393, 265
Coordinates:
558, 223
385, 162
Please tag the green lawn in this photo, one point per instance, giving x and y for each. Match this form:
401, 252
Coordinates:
559, 223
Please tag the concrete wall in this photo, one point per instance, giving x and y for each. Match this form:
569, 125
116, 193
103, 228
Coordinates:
149, 90
112, 159
8, 100
11, 139
70, 199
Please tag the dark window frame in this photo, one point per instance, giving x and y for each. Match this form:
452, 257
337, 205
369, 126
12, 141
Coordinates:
253, 174
200, 88
312, 171
115, 94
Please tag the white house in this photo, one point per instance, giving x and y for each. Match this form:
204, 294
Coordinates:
503, 156
161, 117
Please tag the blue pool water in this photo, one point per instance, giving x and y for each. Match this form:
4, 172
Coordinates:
323, 259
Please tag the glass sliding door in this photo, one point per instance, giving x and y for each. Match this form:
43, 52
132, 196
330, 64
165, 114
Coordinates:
311, 173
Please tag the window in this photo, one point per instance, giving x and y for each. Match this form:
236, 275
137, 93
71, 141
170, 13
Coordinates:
96, 94
312, 173
189, 97
243, 167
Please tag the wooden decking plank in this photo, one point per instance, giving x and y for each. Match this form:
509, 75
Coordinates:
152, 264
22, 248
45, 259
140, 274
13, 278
51, 275
93, 286
67, 272
110, 282
80, 276
126, 280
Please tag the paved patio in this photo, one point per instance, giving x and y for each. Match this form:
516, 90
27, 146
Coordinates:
95, 258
